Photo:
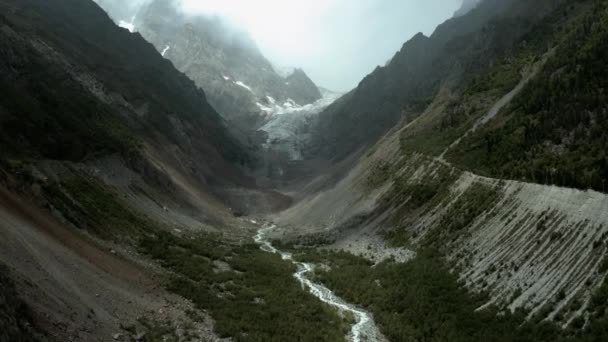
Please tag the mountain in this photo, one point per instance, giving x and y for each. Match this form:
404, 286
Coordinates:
224, 61
473, 162
103, 144
424, 67
71, 103
248, 91
553, 132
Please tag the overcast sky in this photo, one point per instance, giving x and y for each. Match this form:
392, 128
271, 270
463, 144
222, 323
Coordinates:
337, 42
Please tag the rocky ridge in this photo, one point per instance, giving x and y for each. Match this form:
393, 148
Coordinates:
239, 81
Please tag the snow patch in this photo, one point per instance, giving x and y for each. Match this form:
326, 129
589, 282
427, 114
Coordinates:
263, 108
165, 50
226, 78
290, 104
291, 107
128, 25
241, 84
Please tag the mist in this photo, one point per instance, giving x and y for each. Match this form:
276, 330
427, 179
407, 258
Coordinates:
337, 42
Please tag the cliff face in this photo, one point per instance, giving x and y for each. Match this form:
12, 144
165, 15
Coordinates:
226, 62
82, 87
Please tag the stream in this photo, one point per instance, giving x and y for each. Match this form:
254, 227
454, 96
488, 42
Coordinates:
363, 330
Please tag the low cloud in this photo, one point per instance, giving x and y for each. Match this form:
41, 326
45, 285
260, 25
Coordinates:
337, 42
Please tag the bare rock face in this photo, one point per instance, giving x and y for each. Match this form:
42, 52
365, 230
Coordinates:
238, 80
301, 88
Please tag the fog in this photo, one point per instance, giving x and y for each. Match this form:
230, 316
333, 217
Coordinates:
337, 42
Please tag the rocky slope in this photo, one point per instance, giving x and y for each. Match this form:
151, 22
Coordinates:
240, 82
103, 142
271, 111
446, 60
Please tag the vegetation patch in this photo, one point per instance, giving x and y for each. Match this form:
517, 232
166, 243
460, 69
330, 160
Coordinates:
554, 132
253, 298
90, 204
473, 202
257, 300
419, 196
380, 173
459, 113
423, 301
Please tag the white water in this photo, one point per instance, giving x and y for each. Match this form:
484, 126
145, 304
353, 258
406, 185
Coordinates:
363, 330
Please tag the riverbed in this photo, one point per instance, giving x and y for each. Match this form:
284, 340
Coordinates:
363, 330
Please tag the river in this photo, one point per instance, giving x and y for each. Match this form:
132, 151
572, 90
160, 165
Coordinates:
363, 330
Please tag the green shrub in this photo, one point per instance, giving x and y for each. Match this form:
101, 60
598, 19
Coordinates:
258, 299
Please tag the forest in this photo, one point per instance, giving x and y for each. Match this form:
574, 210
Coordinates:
554, 132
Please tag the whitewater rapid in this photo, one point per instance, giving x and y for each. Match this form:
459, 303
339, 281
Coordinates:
363, 330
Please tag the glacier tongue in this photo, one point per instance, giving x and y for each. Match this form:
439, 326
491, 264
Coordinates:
287, 128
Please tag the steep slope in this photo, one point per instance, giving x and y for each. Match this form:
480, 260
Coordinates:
16, 321
84, 89
77, 288
432, 189
46, 71
555, 131
120, 191
103, 143
457, 49
224, 61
